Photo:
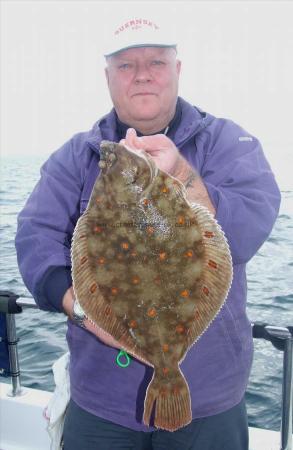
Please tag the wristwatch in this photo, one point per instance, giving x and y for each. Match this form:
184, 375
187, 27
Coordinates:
78, 314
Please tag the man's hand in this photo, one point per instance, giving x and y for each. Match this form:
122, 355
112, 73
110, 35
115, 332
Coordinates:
68, 301
159, 147
167, 157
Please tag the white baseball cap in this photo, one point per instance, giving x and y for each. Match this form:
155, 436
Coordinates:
137, 33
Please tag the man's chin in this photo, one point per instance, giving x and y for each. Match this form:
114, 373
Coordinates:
143, 113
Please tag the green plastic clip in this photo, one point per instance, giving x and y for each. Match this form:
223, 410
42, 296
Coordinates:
122, 354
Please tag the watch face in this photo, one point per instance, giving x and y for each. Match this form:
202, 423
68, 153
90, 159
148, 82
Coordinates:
78, 309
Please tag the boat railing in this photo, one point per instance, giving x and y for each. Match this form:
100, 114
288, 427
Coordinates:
280, 337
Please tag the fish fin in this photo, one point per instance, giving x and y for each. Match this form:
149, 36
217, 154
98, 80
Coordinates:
179, 189
172, 402
217, 274
88, 293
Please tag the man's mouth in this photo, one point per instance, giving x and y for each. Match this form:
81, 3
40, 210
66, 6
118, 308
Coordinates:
143, 93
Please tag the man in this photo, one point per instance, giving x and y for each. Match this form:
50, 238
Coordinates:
224, 169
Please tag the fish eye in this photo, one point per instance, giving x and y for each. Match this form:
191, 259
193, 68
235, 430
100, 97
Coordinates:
130, 175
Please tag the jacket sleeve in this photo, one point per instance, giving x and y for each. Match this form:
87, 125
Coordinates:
45, 228
242, 188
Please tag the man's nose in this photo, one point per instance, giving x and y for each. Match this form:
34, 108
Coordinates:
142, 74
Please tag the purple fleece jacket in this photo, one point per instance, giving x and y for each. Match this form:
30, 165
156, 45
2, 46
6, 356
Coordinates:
244, 192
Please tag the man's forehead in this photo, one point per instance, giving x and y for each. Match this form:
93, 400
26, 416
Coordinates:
143, 52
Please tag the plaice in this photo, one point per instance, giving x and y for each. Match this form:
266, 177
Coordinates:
150, 269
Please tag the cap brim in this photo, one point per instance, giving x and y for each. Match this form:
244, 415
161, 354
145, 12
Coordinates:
114, 52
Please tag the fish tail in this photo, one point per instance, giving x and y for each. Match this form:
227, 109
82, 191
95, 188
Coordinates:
172, 402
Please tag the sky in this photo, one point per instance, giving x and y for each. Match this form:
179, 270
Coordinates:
236, 63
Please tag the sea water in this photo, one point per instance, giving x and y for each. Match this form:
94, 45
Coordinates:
270, 294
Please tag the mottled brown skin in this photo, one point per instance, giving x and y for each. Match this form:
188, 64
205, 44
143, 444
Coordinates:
150, 269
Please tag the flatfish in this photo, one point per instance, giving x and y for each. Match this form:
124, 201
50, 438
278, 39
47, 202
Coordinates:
152, 270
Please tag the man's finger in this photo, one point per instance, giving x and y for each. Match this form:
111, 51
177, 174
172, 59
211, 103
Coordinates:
131, 139
155, 143
130, 133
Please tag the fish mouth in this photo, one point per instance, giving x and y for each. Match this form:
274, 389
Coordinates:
144, 155
108, 156
108, 153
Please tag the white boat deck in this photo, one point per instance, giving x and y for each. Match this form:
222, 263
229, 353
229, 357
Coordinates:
23, 426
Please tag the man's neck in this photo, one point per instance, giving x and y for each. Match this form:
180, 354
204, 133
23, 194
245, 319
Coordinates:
148, 129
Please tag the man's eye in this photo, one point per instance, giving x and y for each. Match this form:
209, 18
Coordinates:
125, 66
157, 62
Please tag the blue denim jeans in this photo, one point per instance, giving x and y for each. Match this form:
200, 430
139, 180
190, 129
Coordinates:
224, 431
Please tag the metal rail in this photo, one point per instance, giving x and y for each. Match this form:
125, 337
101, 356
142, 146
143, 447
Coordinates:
10, 305
13, 355
287, 397
26, 302
285, 336
280, 337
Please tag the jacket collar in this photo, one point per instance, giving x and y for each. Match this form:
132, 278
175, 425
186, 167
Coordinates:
193, 121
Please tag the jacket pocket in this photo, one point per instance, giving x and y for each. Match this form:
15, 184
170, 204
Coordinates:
231, 330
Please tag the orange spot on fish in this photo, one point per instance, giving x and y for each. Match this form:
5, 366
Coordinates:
209, 234
146, 201
165, 348
83, 260
125, 245
180, 329
93, 287
165, 370
162, 256
175, 390
184, 293
114, 290
133, 324
181, 220
97, 229
205, 290
164, 189
150, 230
163, 392
101, 260
212, 264
135, 280
152, 312
98, 200
157, 280
188, 254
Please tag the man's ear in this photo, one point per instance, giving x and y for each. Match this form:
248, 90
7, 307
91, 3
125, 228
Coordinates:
178, 66
107, 75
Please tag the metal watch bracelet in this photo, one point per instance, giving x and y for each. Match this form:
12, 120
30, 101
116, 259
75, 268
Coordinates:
78, 314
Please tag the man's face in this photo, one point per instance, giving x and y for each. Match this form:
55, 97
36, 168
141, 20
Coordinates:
143, 84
